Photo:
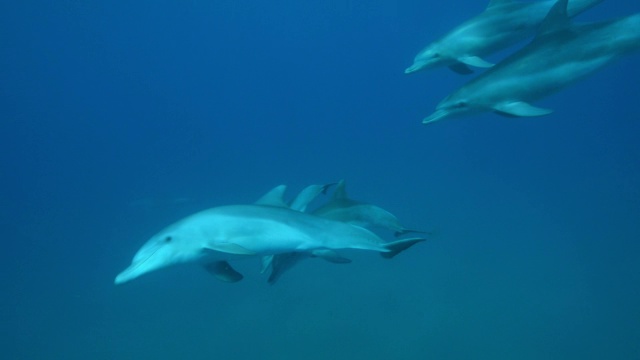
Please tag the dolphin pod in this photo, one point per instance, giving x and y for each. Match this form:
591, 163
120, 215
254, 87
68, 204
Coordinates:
269, 228
502, 24
560, 54
339, 208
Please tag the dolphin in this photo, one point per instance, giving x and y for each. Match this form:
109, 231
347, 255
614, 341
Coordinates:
344, 209
217, 235
561, 54
502, 24
341, 208
278, 264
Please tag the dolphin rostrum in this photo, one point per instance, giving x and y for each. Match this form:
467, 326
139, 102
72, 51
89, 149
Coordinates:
502, 24
217, 235
561, 54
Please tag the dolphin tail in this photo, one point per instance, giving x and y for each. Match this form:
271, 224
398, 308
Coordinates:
396, 247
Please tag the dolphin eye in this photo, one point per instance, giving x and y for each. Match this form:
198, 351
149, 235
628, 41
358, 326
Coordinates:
168, 239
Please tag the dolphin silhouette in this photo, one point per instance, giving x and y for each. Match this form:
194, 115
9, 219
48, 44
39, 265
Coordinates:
344, 209
217, 235
502, 24
561, 54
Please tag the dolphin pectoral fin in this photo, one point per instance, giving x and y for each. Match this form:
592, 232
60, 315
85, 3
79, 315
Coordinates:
230, 248
223, 271
331, 256
396, 247
460, 68
475, 61
283, 262
266, 263
520, 109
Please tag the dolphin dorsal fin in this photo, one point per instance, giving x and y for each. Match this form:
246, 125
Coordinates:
556, 20
340, 193
307, 195
275, 197
493, 3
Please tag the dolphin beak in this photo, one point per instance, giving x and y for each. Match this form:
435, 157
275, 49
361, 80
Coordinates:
128, 274
438, 115
413, 68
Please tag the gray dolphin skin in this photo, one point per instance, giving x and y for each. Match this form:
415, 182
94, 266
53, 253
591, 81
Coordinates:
215, 236
561, 54
278, 264
502, 24
342, 208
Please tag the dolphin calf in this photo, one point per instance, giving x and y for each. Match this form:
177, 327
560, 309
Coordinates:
502, 24
215, 236
344, 209
561, 54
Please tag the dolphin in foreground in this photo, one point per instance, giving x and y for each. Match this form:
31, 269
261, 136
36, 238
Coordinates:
342, 208
215, 236
502, 24
561, 54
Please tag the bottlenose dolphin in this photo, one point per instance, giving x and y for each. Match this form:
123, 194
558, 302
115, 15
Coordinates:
342, 208
502, 24
217, 235
561, 54
278, 264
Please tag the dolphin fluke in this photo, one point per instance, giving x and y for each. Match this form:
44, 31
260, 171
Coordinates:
223, 271
396, 247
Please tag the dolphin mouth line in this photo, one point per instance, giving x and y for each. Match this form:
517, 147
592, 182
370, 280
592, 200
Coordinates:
139, 263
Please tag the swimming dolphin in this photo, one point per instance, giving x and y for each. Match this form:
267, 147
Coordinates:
344, 209
502, 24
277, 264
561, 54
217, 235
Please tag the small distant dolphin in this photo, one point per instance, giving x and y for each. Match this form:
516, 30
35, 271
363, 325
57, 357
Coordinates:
217, 235
561, 54
344, 209
502, 24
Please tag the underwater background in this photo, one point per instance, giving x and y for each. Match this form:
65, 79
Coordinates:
118, 118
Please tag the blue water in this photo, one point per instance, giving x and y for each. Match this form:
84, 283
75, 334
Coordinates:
118, 118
